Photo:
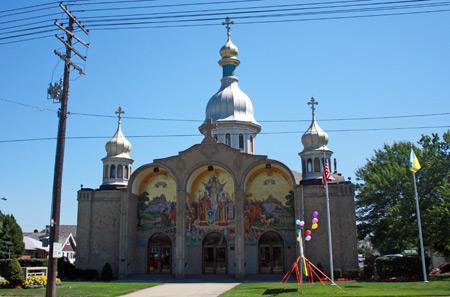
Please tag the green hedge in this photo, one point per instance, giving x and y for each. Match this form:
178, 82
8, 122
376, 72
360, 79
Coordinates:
369, 266
33, 262
400, 266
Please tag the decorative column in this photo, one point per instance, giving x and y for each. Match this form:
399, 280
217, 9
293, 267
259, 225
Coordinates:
180, 252
239, 240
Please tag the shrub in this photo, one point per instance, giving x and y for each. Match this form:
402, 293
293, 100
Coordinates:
352, 273
337, 273
33, 262
74, 273
14, 274
369, 266
407, 266
89, 274
107, 273
319, 266
64, 266
4, 266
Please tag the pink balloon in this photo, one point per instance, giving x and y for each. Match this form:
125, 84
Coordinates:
315, 220
302, 223
308, 238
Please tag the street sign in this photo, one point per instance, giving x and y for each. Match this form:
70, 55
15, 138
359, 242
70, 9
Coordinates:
57, 250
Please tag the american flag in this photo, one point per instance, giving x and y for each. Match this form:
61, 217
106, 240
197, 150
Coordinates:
325, 174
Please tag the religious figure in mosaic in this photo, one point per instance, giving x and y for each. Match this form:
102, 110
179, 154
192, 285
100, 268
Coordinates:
204, 205
223, 201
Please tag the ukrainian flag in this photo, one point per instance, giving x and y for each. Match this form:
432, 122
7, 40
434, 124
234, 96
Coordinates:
414, 164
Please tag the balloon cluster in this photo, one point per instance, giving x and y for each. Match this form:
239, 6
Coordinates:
301, 224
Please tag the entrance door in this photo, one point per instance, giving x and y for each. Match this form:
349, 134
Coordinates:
270, 255
159, 254
214, 254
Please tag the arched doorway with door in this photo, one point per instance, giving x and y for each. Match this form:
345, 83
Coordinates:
214, 254
271, 253
159, 254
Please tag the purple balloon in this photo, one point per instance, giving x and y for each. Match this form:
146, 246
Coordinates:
300, 228
308, 238
315, 214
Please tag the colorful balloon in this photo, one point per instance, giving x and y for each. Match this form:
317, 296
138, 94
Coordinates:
298, 238
308, 232
314, 226
298, 231
315, 214
308, 238
300, 228
315, 220
297, 222
302, 223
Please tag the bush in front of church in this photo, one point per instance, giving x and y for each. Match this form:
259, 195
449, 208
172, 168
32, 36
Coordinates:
107, 273
14, 273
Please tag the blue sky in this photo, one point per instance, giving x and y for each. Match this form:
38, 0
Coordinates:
355, 68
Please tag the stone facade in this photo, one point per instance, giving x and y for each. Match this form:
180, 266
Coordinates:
115, 227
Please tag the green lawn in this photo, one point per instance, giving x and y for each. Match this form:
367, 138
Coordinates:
433, 288
93, 289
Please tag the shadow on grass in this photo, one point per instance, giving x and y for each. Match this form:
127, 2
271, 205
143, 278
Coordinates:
272, 292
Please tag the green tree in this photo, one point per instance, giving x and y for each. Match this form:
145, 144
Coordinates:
142, 205
290, 203
386, 210
11, 239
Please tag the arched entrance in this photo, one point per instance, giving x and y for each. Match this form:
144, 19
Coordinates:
271, 256
159, 254
214, 257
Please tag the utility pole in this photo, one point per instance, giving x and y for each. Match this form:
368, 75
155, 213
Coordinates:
61, 97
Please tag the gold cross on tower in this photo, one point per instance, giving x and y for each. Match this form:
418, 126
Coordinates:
120, 112
227, 24
312, 103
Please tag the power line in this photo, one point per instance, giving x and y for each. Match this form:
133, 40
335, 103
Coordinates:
200, 135
262, 121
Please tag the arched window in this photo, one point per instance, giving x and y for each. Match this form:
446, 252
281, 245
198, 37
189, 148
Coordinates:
251, 143
112, 172
125, 172
228, 139
106, 170
309, 167
316, 165
241, 142
303, 166
119, 171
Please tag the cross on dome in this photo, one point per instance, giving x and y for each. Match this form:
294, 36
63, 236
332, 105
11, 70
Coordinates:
120, 112
227, 24
313, 102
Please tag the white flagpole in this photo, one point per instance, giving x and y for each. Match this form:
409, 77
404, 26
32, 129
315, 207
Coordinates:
425, 280
330, 245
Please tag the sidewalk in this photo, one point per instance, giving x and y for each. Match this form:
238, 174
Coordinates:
185, 290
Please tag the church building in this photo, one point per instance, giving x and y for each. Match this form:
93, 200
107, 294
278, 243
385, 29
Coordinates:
216, 208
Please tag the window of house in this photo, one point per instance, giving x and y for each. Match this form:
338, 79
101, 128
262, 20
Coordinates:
228, 139
241, 142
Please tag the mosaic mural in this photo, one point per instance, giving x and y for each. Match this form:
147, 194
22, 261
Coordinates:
210, 206
269, 204
157, 203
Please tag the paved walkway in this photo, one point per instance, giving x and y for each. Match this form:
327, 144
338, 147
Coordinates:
185, 290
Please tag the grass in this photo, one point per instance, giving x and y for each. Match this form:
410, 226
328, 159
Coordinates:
92, 289
433, 288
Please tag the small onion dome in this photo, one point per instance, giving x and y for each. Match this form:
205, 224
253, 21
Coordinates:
314, 138
229, 53
118, 146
